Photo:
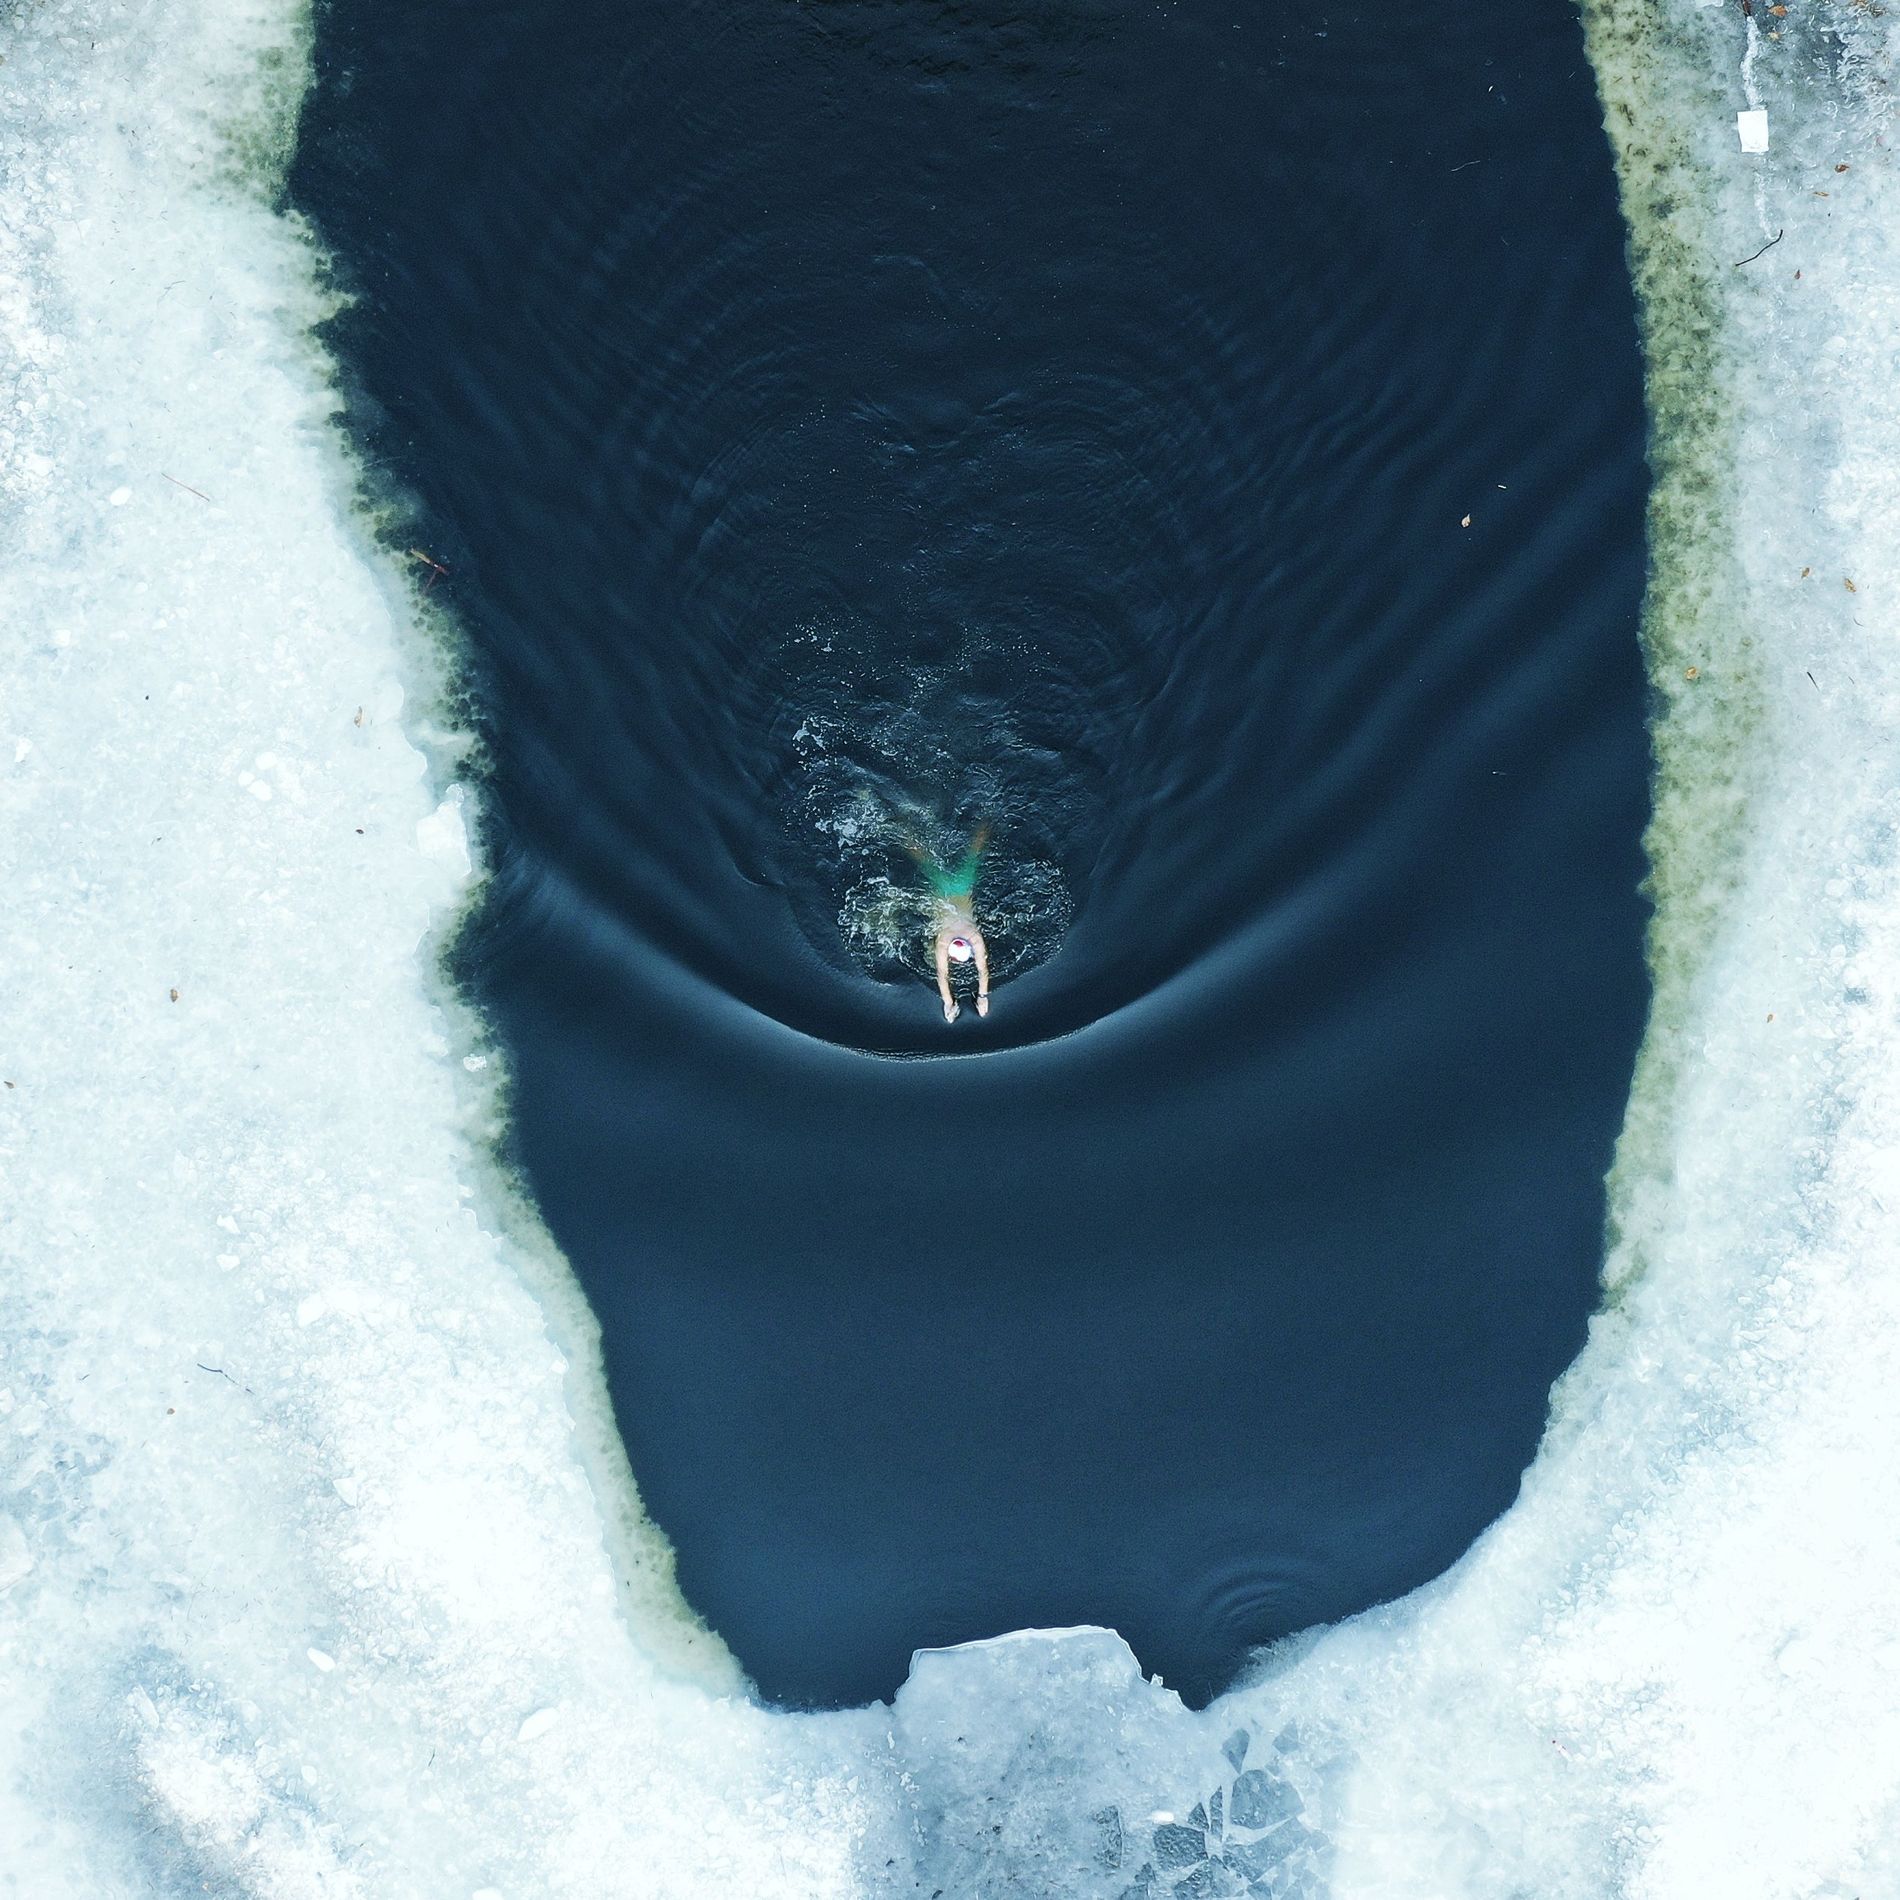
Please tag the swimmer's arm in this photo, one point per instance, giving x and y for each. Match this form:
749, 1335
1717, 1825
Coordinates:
982, 975
943, 982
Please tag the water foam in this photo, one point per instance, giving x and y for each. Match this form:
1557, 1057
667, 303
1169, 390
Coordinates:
318, 1569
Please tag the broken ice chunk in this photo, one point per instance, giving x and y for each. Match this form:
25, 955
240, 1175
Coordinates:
1256, 1860
1752, 129
1211, 1880
1261, 1801
443, 835
1179, 1846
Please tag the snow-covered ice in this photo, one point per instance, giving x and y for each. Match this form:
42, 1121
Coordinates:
321, 1572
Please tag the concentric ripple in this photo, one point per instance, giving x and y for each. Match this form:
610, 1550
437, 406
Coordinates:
1204, 454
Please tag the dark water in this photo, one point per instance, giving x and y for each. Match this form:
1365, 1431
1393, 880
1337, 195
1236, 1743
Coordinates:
868, 418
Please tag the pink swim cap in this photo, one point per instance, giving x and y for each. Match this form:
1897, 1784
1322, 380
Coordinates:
960, 950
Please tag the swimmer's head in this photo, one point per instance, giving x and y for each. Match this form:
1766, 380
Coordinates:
961, 950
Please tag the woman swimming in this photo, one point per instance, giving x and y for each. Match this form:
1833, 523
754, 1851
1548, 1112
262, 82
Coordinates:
958, 938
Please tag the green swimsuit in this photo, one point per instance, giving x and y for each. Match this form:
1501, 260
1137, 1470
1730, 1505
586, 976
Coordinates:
958, 883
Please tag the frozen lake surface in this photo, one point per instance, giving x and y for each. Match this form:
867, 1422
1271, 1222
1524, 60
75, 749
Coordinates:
321, 1570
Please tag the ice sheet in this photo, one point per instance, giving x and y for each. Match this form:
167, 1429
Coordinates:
320, 1570
308, 1588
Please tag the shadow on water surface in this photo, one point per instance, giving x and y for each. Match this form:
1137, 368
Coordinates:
1208, 453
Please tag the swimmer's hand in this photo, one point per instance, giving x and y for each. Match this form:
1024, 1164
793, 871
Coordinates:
949, 1012
982, 1005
